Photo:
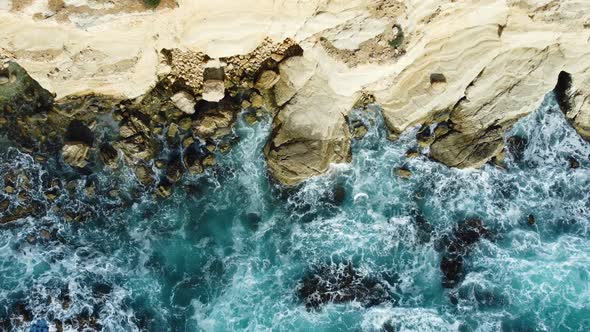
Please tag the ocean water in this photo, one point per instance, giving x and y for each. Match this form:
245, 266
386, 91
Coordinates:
228, 251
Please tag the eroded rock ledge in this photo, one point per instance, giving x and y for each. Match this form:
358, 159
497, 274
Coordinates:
464, 71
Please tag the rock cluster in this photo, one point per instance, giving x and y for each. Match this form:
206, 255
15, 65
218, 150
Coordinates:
169, 131
340, 283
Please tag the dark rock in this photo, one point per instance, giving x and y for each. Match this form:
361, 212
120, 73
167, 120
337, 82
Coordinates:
108, 155
516, 146
573, 163
193, 159
424, 136
339, 283
457, 245
339, 194
164, 188
531, 220
437, 78
20, 93
102, 288
388, 327
451, 265
252, 220
412, 153
174, 168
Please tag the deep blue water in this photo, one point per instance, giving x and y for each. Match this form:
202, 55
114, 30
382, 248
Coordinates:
228, 250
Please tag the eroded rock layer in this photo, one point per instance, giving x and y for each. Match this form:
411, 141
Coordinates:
465, 71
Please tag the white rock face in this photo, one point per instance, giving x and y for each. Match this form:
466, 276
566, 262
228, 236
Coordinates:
184, 101
499, 58
213, 90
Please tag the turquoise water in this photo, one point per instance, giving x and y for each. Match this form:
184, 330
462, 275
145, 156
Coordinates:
228, 250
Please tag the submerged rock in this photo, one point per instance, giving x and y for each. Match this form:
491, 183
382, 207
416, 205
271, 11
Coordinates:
403, 172
573, 163
531, 220
359, 130
340, 283
516, 145
458, 244
184, 101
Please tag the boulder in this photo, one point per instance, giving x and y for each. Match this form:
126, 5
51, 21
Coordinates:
213, 82
267, 80
144, 174
359, 130
213, 90
76, 154
403, 172
184, 101
109, 155
214, 123
309, 134
164, 189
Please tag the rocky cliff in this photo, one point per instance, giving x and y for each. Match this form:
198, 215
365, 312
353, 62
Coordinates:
463, 70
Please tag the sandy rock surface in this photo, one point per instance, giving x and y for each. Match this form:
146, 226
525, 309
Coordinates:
472, 68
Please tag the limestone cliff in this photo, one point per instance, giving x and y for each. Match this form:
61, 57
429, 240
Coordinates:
471, 68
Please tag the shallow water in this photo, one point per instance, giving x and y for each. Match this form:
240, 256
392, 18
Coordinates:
228, 250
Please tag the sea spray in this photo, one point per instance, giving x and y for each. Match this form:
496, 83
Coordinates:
229, 249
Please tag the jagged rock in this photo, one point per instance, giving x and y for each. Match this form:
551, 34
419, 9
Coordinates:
137, 147
192, 160
412, 153
516, 145
267, 80
144, 174
20, 93
109, 155
359, 130
250, 117
256, 100
76, 154
213, 86
214, 123
184, 101
209, 161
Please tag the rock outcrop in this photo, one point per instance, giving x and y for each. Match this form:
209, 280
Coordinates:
469, 69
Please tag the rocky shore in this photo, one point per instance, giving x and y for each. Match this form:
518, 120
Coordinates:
158, 88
